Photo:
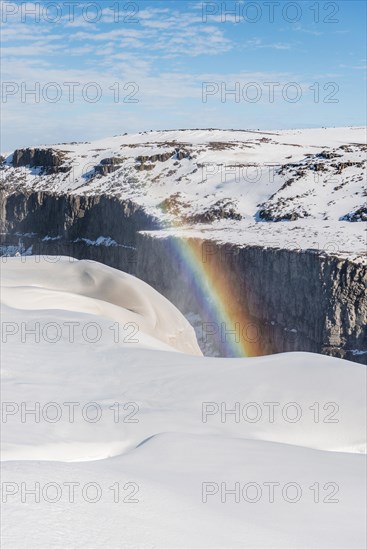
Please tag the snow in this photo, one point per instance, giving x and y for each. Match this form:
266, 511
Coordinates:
309, 445
88, 287
315, 177
105, 241
345, 240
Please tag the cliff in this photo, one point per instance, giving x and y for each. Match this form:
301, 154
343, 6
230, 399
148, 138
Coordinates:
279, 300
258, 237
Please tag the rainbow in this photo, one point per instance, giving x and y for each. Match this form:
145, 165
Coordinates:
215, 291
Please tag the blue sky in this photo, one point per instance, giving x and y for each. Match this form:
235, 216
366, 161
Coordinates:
162, 56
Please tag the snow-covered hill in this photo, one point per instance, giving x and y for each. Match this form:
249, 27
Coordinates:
311, 182
148, 440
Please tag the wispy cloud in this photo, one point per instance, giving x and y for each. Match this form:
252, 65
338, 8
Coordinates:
168, 51
361, 67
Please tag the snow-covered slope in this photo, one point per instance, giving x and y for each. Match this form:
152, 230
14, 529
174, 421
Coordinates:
138, 416
88, 287
228, 180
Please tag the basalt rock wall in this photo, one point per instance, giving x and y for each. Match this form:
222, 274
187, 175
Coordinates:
277, 300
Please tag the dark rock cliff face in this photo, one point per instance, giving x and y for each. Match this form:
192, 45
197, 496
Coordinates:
279, 300
49, 160
73, 216
65, 225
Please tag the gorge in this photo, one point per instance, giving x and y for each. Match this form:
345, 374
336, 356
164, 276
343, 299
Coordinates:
275, 291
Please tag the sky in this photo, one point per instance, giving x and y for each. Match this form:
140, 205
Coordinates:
79, 71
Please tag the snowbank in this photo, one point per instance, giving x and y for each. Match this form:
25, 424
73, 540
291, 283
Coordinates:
165, 449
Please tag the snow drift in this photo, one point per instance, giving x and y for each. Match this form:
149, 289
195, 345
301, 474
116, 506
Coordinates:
87, 287
206, 453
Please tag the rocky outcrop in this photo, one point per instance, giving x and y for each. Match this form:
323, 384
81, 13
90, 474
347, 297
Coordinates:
147, 162
49, 161
271, 214
109, 165
174, 204
223, 209
359, 215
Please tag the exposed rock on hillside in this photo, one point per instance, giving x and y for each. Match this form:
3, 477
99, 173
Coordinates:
50, 161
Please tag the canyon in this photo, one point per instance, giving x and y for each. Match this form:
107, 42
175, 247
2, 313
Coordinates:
285, 290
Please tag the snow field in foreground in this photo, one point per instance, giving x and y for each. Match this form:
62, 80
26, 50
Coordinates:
139, 442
